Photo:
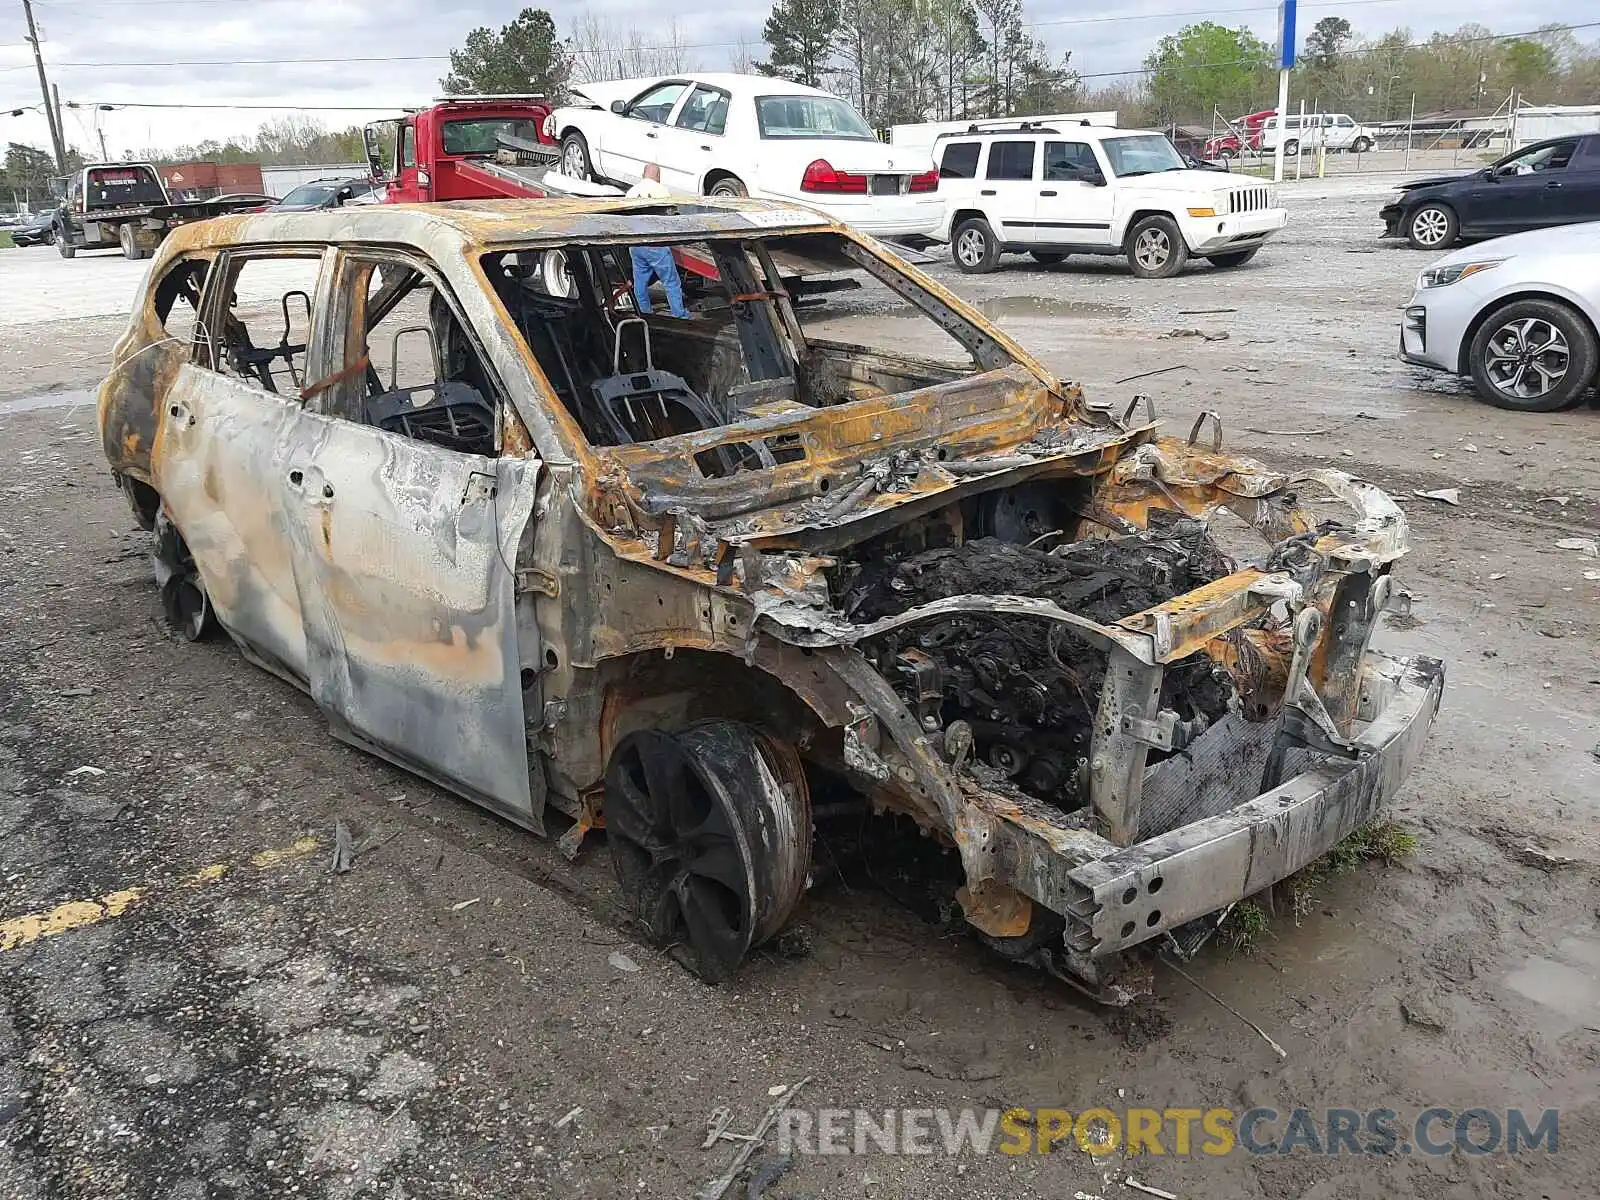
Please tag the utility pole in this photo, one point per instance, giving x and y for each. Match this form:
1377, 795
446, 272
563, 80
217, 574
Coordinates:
50, 112
1286, 15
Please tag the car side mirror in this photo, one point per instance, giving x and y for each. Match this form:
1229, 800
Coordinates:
619, 106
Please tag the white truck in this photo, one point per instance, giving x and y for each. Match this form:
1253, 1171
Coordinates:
1053, 190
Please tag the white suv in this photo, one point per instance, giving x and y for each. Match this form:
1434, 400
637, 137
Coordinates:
1336, 131
1082, 189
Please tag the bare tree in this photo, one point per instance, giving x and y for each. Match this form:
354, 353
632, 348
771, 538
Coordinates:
603, 50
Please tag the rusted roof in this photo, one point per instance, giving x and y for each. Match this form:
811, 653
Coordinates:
501, 222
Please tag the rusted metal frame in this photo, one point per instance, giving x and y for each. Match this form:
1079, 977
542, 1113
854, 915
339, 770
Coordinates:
1130, 699
781, 299
1158, 884
1024, 844
755, 321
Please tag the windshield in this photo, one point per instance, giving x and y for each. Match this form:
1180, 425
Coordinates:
310, 194
1142, 154
110, 187
810, 117
483, 135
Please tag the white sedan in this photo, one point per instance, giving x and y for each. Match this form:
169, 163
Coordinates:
749, 135
1517, 314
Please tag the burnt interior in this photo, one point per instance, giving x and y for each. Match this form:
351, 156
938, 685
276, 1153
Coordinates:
1028, 689
742, 353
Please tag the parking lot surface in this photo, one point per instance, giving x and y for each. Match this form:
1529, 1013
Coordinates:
193, 1004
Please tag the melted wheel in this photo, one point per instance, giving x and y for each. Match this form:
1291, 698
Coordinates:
710, 835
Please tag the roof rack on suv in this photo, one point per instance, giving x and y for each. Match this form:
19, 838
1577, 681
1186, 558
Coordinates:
1020, 127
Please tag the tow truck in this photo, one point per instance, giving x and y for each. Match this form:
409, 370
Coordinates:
107, 205
464, 148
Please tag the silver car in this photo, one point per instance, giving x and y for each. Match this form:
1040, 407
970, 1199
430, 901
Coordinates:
1517, 314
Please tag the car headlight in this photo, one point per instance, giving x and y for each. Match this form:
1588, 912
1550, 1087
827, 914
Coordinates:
1444, 276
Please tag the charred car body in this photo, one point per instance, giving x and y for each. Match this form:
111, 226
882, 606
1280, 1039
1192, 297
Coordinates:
664, 576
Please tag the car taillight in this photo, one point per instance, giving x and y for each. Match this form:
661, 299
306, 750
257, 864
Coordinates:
821, 177
928, 181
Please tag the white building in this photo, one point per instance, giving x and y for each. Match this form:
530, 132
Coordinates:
1535, 122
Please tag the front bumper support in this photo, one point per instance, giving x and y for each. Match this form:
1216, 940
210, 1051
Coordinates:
1159, 884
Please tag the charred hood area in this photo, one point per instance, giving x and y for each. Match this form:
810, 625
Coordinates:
1028, 689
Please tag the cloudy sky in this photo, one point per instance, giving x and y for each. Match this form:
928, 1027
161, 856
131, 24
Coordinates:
381, 55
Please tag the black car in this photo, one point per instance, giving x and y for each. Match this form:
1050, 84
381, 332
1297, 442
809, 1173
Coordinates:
1554, 182
326, 193
38, 231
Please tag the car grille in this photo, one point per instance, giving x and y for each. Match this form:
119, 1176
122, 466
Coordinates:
886, 185
1249, 199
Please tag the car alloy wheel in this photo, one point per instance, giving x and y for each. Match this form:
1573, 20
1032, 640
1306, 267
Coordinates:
1430, 227
1527, 358
971, 247
574, 162
1153, 247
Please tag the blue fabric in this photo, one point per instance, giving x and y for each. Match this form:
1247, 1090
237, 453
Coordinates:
655, 262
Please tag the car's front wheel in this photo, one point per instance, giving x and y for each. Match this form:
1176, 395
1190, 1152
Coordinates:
1291, 147
575, 156
1534, 356
1156, 249
1432, 227
974, 248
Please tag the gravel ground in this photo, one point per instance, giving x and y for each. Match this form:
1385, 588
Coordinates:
461, 1015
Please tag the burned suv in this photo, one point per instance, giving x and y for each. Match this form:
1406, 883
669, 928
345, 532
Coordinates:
674, 577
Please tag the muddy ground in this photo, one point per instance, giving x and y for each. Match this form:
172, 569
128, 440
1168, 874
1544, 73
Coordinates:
428, 1024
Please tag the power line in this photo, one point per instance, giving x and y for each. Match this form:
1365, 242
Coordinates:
1142, 70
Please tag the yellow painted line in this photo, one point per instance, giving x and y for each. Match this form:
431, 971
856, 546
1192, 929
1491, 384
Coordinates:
77, 914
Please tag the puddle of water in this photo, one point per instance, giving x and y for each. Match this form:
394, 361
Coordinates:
49, 400
1569, 985
1046, 306
1028, 307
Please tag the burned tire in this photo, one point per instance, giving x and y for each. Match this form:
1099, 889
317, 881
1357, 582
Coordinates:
973, 247
183, 595
575, 156
710, 835
1533, 356
1156, 249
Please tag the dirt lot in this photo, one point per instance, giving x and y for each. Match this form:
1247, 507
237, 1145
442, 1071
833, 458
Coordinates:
461, 1014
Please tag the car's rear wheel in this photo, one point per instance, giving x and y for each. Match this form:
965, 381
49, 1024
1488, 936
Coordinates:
728, 187
575, 156
710, 834
64, 246
1292, 146
1432, 227
1361, 145
1048, 258
974, 248
1235, 259
128, 242
1156, 249
1533, 356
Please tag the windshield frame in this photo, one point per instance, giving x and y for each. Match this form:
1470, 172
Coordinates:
867, 135
1114, 161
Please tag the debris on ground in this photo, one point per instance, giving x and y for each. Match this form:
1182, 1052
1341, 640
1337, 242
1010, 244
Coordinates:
766, 1174
1422, 1014
719, 1186
344, 851
622, 962
85, 771
1451, 496
572, 1115
465, 904
1130, 1181
1561, 500
1587, 547
1220, 336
